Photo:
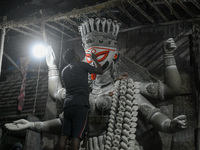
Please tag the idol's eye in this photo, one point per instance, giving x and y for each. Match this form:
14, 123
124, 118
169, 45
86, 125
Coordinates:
101, 56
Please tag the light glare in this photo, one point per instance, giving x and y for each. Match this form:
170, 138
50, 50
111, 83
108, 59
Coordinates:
39, 50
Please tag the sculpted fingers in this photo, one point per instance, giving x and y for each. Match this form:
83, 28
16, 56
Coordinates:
179, 123
170, 46
50, 56
11, 126
21, 121
181, 117
51, 52
18, 125
182, 121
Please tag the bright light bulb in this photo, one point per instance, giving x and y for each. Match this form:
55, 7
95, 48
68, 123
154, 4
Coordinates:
39, 50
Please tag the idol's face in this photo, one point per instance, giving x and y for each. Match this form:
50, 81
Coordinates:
105, 56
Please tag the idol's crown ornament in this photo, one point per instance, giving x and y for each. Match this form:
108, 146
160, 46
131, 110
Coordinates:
99, 32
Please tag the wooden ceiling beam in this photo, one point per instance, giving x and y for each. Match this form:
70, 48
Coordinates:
158, 2
75, 13
141, 11
65, 26
25, 33
72, 22
47, 24
185, 8
129, 15
32, 30
115, 18
47, 31
172, 10
195, 3
12, 61
158, 10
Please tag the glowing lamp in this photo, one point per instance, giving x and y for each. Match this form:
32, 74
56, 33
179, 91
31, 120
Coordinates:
39, 50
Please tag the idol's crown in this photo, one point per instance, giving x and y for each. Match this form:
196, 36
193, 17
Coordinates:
99, 32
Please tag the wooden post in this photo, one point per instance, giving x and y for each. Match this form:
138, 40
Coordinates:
33, 139
3, 34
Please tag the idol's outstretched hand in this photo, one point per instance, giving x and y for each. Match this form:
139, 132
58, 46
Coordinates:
179, 123
17, 125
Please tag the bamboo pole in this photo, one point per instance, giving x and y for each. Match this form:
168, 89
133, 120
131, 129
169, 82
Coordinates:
3, 34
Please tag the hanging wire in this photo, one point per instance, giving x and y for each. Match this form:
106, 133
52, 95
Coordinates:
36, 89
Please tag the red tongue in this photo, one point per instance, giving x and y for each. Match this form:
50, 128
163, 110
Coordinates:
93, 76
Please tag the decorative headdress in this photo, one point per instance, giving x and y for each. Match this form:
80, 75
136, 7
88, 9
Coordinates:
99, 32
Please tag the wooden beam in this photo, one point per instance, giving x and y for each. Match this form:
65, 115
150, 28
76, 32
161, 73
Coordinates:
49, 31
3, 34
75, 13
195, 3
32, 30
172, 10
115, 18
158, 10
141, 11
58, 30
72, 22
25, 33
158, 2
129, 15
185, 8
65, 26
10, 59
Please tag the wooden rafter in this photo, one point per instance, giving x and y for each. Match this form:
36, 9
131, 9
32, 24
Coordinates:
97, 15
53, 34
158, 10
195, 3
36, 26
129, 15
3, 34
12, 61
185, 8
75, 13
65, 26
84, 16
115, 18
47, 24
72, 22
157, 2
32, 30
49, 31
172, 10
25, 33
141, 11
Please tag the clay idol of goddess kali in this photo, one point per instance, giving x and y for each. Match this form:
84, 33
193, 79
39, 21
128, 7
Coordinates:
115, 101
